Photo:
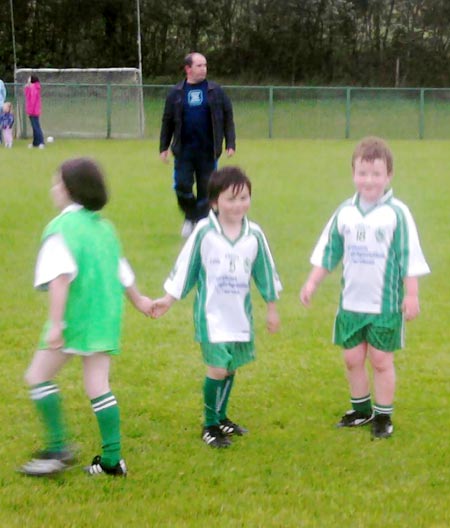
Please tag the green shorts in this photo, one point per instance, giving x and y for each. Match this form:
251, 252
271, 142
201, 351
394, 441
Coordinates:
229, 356
383, 331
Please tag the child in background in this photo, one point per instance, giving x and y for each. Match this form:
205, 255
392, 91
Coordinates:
81, 264
221, 256
2, 101
7, 121
33, 109
375, 236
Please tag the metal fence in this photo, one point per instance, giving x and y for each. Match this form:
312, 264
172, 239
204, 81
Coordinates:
110, 111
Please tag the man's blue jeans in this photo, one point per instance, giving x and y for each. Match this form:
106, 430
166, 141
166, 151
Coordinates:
190, 167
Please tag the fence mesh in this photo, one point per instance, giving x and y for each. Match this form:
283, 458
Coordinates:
91, 102
110, 110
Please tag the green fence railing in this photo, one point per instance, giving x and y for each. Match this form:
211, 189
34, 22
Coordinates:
114, 111
326, 112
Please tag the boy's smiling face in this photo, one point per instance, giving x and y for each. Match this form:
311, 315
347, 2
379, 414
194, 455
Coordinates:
233, 204
371, 178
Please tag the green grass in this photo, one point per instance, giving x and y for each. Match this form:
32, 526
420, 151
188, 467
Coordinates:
294, 469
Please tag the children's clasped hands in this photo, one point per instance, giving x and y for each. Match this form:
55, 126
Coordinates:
154, 308
160, 306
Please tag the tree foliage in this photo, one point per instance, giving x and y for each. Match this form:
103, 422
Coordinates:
363, 42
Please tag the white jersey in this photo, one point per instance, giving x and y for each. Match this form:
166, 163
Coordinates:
378, 248
222, 270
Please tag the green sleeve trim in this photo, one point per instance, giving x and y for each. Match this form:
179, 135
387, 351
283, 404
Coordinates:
263, 272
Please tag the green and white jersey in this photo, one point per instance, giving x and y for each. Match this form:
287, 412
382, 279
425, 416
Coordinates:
378, 249
222, 270
85, 246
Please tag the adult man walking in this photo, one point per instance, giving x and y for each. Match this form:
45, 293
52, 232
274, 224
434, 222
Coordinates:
197, 116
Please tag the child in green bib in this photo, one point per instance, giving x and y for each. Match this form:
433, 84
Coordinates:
80, 264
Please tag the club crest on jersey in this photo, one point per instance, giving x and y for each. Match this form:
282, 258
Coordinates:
195, 97
380, 234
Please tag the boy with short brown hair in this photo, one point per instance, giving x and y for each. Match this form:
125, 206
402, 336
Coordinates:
375, 236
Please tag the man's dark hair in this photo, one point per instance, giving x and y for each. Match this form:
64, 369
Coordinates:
188, 59
85, 183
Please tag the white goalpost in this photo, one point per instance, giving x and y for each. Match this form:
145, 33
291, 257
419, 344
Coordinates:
90, 102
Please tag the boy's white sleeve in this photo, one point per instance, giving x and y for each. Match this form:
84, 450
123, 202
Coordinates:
54, 259
185, 272
317, 257
264, 272
417, 264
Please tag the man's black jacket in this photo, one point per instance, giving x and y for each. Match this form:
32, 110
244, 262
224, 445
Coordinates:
221, 118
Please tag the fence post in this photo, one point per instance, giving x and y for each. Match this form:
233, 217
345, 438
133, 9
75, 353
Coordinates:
347, 112
270, 112
108, 110
422, 114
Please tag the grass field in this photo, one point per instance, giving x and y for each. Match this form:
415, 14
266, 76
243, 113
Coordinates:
294, 469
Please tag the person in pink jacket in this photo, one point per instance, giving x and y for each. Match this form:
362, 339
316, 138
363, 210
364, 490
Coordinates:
33, 108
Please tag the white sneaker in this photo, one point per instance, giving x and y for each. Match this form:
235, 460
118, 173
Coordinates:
45, 463
41, 146
188, 227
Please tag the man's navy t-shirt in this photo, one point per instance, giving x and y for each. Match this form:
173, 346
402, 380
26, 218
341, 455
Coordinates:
196, 132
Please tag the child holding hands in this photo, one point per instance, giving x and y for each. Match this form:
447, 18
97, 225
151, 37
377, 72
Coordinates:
221, 256
81, 265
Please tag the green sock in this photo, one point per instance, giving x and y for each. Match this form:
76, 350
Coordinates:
383, 409
108, 417
363, 405
227, 386
212, 393
48, 404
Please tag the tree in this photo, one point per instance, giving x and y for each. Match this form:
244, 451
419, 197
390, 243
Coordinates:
277, 41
